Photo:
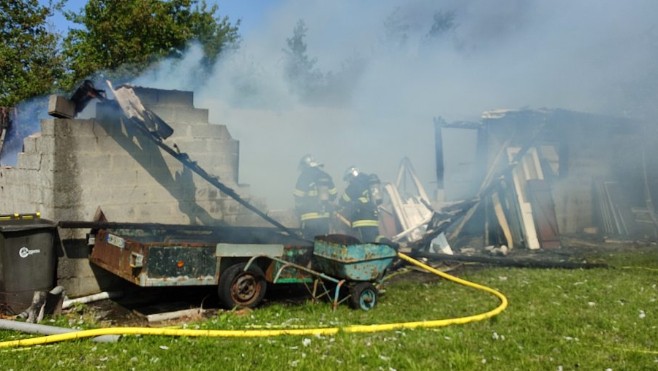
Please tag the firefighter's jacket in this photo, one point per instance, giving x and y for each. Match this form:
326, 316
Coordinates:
314, 194
358, 204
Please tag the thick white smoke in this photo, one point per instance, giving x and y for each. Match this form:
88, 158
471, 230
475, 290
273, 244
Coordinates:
591, 56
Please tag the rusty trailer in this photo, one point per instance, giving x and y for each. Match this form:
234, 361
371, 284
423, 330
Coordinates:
160, 256
241, 261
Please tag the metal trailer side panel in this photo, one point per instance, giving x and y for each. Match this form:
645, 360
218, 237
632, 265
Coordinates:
156, 264
301, 255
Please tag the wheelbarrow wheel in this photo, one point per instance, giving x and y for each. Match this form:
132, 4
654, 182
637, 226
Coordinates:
241, 289
363, 295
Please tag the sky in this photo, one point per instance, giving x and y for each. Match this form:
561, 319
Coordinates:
250, 12
593, 56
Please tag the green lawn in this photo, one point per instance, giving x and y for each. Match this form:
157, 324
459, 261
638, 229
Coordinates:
556, 319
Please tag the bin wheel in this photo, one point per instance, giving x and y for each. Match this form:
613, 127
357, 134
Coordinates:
363, 295
241, 289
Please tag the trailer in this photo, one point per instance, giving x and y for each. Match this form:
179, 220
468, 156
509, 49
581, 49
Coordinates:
243, 261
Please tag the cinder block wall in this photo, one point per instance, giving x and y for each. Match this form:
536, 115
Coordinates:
74, 167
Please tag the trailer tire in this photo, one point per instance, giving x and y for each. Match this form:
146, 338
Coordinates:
241, 289
363, 295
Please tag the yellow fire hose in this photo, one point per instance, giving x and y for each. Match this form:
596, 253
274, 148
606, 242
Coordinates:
271, 332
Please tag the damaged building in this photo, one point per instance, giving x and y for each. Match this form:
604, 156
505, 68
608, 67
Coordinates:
104, 169
538, 175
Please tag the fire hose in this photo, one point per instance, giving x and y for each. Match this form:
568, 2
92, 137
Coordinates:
326, 331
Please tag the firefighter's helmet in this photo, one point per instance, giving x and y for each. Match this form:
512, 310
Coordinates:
351, 173
308, 161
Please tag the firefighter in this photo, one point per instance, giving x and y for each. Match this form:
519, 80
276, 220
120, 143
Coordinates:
314, 195
359, 204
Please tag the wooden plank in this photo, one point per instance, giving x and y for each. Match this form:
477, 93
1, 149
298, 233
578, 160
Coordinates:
502, 220
541, 199
524, 207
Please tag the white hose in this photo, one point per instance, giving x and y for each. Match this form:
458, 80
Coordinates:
34, 328
91, 298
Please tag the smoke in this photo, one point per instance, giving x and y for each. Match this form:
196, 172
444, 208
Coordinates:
389, 67
25, 122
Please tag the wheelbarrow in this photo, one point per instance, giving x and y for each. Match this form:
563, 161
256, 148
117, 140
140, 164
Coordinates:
361, 266
341, 260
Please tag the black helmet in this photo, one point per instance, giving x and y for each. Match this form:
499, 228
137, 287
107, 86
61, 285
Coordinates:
351, 173
308, 161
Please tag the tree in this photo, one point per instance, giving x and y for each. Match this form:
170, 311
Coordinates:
299, 68
397, 28
442, 23
126, 36
29, 62
312, 85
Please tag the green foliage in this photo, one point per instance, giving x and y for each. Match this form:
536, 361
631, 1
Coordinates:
397, 28
311, 84
30, 64
124, 37
442, 23
299, 68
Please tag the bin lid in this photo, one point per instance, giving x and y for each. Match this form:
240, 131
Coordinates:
17, 225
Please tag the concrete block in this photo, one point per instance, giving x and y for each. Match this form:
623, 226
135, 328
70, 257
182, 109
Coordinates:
81, 128
29, 161
79, 277
156, 97
210, 131
30, 143
173, 115
48, 128
43, 144
60, 107
97, 166
106, 145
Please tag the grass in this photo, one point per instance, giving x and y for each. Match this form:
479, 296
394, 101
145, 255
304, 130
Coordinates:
556, 320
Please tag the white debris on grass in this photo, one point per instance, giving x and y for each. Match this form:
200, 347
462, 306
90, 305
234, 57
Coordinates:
497, 336
642, 314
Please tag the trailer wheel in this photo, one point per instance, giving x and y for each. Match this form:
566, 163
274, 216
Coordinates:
241, 289
363, 295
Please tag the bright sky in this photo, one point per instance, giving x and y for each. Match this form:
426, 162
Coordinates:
251, 12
